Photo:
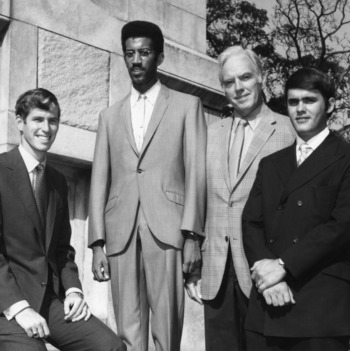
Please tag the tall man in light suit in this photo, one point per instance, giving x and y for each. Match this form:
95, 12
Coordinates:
40, 292
235, 146
296, 231
147, 205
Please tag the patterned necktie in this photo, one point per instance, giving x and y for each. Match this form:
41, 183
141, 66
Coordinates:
236, 150
40, 192
305, 152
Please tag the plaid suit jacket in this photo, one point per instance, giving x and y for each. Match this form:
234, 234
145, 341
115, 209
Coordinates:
225, 201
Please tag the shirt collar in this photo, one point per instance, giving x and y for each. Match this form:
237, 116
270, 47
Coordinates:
151, 94
315, 141
29, 160
253, 119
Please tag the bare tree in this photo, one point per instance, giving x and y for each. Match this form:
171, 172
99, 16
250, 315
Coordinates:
231, 22
313, 33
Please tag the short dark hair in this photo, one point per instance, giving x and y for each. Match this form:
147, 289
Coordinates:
144, 29
312, 79
36, 98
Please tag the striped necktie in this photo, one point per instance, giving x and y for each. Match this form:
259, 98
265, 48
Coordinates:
305, 152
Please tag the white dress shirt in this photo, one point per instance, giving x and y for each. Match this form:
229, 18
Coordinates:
141, 111
314, 142
31, 163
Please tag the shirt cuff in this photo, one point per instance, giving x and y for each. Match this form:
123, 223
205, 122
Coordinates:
14, 309
74, 290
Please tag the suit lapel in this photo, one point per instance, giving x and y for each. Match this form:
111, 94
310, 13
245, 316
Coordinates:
224, 140
126, 116
157, 115
22, 187
51, 207
321, 158
264, 130
286, 164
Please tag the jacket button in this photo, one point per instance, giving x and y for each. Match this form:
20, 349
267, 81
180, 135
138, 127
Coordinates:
300, 203
230, 203
43, 284
280, 207
226, 238
272, 241
295, 240
139, 170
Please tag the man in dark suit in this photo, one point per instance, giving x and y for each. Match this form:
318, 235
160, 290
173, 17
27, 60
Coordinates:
40, 292
147, 203
296, 231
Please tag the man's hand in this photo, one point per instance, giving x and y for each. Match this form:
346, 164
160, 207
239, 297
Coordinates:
193, 286
192, 258
100, 266
266, 273
75, 308
279, 295
34, 325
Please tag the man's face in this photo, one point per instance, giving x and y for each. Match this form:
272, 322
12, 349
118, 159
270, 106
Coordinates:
307, 111
241, 84
142, 62
38, 131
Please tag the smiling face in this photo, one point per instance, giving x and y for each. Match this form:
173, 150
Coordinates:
308, 112
142, 62
38, 131
241, 84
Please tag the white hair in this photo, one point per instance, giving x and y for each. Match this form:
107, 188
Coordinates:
238, 50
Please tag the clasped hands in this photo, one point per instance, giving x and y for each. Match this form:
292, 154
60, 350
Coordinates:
268, 276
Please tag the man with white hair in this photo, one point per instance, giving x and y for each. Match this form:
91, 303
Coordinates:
235, 146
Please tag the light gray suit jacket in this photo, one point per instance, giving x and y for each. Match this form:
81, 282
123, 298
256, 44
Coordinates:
167, 177
226, 201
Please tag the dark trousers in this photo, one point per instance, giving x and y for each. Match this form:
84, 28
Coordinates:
91, 335
259, 342
224, 315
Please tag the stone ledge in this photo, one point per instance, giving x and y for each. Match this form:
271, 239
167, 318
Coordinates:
75, 144
5, 7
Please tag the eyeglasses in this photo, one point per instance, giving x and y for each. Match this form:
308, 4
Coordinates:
144, 53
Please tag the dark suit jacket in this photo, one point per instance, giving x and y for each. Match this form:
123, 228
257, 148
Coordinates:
303, 216
26, 248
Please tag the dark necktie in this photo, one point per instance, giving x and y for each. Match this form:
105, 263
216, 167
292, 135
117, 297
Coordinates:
40, 192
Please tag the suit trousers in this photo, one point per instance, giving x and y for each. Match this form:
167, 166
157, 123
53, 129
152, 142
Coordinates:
259, 342
224, 315
91, 335
146, 276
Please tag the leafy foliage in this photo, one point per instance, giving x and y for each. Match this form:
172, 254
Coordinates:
302, 33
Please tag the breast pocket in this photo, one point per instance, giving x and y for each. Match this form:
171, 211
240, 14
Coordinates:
326, 197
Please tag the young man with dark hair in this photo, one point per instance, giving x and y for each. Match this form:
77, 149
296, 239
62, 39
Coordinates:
40, 292
296, 227
147, 201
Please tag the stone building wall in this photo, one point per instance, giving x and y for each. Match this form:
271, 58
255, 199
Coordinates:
72, 47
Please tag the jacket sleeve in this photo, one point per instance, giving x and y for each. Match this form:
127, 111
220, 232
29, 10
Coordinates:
10, 292
100, 181
254, 241
194, 145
